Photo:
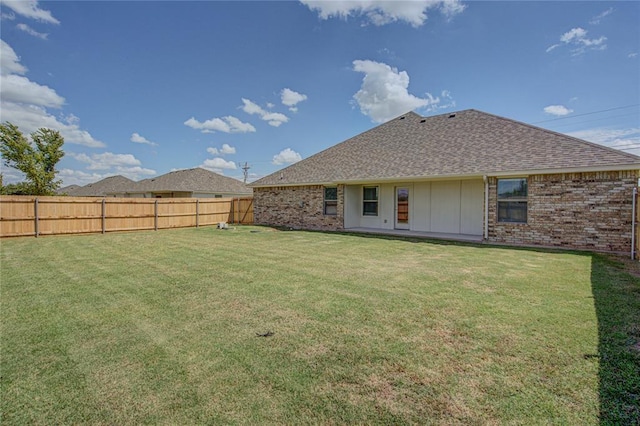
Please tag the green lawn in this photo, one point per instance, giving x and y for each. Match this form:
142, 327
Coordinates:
160, 327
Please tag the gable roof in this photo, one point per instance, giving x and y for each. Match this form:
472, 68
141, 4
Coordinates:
191, 180
100, 188
465, 143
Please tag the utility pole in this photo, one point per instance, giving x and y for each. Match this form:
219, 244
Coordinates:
245, 171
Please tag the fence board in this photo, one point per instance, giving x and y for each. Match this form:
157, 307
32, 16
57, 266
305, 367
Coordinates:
33, 216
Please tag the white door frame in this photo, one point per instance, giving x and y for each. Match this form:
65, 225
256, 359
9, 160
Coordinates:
402, 209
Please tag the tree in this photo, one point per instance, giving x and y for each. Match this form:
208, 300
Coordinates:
38, 162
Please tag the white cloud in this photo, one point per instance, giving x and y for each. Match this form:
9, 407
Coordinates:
291, 98
225, 150
286, 156
381, 12
557, 110
19, 89
136, 138
552, 47
575, 34
24, 103
11, 175
9, 61
596, 19
632, 55
218, 165
577, 39
30, 118
30, 9
384, 92
274, 119
608, 137
106, 160
79, 177
228, 124
104, 165
27, 29
624, 139
451, 8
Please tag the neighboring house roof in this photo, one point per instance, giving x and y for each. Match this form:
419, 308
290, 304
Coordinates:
465, 143
67, 189
100, 188
191, 180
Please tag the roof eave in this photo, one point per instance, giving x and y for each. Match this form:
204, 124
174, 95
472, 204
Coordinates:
462, 176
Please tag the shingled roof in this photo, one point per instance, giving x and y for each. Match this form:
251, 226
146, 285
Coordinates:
191, 180
100, 188
65, 190
465, 143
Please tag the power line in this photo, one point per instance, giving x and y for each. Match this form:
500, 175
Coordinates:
587, 113
614, 117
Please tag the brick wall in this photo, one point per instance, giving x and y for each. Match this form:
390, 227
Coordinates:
298, 207
590, 211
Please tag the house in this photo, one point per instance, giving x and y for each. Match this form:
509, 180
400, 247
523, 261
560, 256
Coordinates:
98, 189
464, 175
191, 183
67, 189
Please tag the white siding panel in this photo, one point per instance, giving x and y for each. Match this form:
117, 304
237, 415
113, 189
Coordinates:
386, 208
445, 207
471, 207
352, 195
420, 204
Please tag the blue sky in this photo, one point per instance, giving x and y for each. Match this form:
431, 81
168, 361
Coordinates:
143, 88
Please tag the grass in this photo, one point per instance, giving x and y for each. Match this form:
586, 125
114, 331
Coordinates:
160, 327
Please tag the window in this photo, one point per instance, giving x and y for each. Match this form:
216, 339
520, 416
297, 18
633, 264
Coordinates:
512, 200
370, 201
330, 201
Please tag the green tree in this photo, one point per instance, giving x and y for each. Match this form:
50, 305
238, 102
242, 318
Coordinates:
36, 160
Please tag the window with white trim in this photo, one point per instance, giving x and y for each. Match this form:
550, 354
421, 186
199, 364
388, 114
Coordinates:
512, 200
370, 201
330, 200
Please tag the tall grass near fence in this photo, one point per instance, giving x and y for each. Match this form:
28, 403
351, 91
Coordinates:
35, 216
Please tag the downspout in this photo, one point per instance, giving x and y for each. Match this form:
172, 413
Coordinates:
633, 224
486, 207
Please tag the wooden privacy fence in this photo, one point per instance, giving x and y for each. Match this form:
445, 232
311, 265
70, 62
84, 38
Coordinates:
34, 216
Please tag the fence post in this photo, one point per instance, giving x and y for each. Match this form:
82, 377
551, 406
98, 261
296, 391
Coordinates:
104, 215
155, 221
35, 212
197, 213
